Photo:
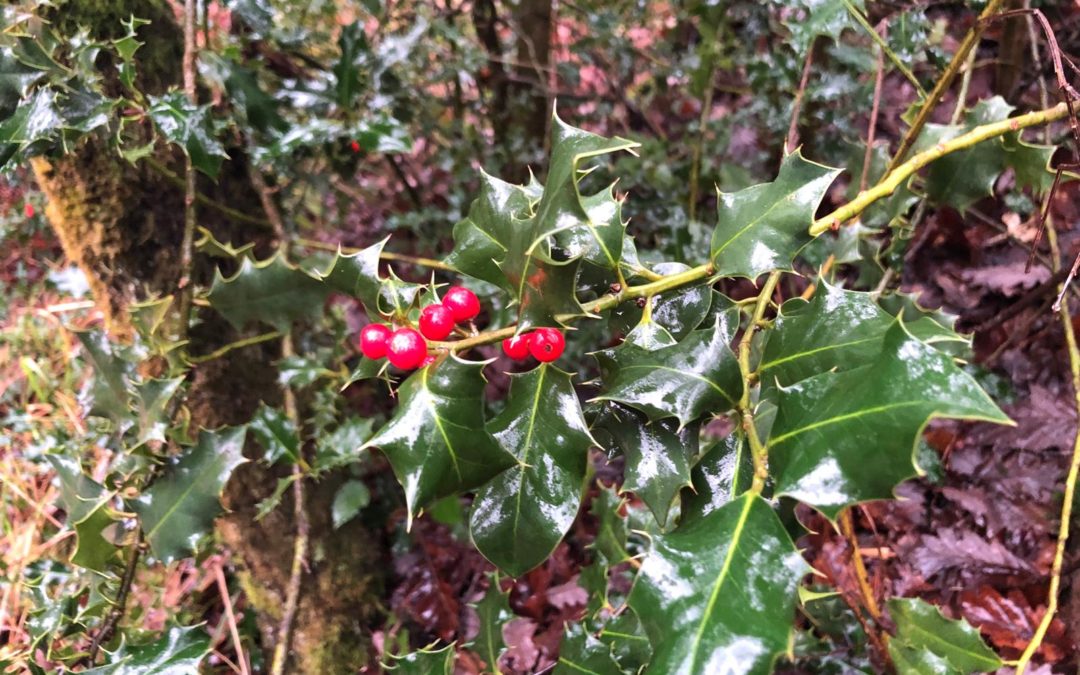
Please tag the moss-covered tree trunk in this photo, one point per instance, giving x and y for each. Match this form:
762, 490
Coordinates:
122, 225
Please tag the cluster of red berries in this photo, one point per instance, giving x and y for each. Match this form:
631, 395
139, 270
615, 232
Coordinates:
406, 348
545, 345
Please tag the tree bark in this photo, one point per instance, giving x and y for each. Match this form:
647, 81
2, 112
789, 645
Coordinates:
122, 225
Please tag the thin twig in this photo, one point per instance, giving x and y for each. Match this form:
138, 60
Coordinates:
223, 589
871, 132
758, 451
232, 213
884, 47
793, 127
117, 611
239, 344
1071, 477
942, 85
385, 255
185, 289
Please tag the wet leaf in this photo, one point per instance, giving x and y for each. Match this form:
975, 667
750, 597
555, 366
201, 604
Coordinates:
522, 514
436, 441
357, 275
582, 653
718, 595
494, 612
178, 652
725, 471
190, 127
922, 626
351, 497
179, 508
843, 438
762, 228
87, 505
698, 375
275, 433
426, 661
658, 457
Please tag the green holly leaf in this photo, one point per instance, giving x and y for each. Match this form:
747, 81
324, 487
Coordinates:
698, 375
179, 508
718, 594
493, 611
87, 505
273, 430
338, 448
152, 397
396, 296
426, 661
272, 291
351, 497
580, 653
179, 651
762, 228
657, 455
522, 514
190, 127
848, 437
508, 238
725, 471
827, 18
436, 441
598, 238
357, 275
836, 329
962, 178
110, 395
922, 627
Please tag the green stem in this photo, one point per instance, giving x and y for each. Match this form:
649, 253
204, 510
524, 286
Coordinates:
893, 180
758, 451
1071, 477
239, 344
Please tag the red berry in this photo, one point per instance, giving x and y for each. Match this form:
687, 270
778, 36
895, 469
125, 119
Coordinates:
517, 347
546, 344
462, 302
373, 339
28, 209
355, 146
406, 349
436, 322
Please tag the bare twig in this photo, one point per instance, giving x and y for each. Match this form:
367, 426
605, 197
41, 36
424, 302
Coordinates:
793, 127
1071, 476
185, 288
117, 612
223, 589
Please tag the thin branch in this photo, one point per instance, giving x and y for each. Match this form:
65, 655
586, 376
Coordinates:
117, 612
884, 47
239, 344
942, 85
758, 451
895, 178
871, 132
793, 127
232, 213
1070, 478
185, 288
223, 589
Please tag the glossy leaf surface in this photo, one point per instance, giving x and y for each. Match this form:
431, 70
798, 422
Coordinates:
724, 472
357, 275
493, 611
436, 441
761, 228
842, 438
179, 508
178, 652
581, 653
521, 515
696, 376
922, 627
657, 456
718, 595
837, 329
